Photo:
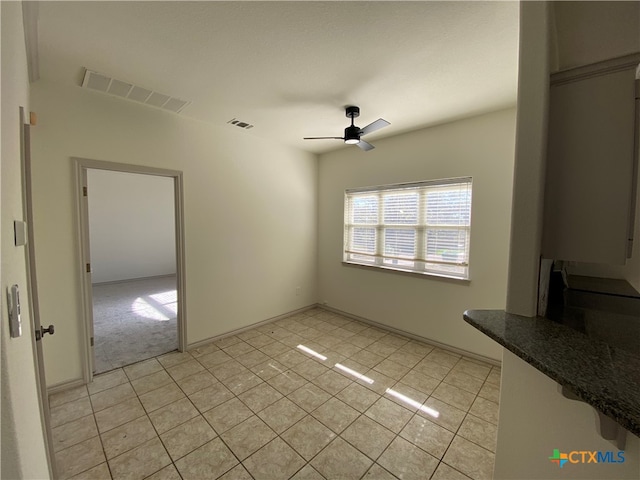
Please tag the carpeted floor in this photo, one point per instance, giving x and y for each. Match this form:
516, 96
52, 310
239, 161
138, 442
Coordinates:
133, 321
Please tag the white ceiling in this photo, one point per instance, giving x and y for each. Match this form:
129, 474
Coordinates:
290, 68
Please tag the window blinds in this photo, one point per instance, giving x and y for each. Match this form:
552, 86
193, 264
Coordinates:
419, 227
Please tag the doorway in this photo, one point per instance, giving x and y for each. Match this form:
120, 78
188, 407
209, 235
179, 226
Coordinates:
132, 263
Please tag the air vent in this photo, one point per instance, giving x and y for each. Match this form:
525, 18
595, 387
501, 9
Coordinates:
105, 84
240, 123
121, 89
97, 82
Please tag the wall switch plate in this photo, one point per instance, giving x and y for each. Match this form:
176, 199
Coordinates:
20, 233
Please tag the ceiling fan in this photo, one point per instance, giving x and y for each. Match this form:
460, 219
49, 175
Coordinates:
353, 133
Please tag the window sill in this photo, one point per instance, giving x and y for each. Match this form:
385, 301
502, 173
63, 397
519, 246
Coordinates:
432, 276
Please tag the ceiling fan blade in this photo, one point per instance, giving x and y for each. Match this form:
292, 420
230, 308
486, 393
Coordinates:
366, 146
323, 138
372, 127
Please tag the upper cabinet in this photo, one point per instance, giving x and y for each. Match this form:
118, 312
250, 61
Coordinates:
592, 159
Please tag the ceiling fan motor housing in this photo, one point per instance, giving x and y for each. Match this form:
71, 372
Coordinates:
352, 134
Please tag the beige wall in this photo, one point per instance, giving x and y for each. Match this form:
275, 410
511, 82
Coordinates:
22, 444
250, 213
481, 147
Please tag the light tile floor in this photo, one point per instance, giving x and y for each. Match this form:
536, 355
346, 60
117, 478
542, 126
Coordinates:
360, 402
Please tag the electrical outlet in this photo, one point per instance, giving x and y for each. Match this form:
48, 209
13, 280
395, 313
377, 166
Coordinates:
297, 291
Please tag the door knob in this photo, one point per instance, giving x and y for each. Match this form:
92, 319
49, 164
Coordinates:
40, 333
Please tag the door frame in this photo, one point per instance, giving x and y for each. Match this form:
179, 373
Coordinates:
81, 165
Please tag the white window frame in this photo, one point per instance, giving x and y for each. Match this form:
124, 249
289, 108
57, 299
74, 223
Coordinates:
419, 263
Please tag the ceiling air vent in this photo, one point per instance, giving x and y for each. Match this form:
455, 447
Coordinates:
239, 123
105, 84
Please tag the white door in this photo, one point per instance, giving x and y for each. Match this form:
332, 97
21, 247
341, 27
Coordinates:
32, 293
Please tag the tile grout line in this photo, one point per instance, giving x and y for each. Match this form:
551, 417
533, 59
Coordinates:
308, 380
338, 435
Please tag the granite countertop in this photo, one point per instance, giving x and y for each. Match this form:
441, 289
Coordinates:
597, 358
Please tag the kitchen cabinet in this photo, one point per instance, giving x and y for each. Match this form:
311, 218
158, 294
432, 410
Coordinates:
592, 157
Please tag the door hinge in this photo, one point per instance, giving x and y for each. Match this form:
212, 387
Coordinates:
92, 341
88, 268
84, 191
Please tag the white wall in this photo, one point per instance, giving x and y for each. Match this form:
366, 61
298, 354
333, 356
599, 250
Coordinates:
481, 147
131, 225
534, 418
250, 213
22, 440
589, 32
525, 445
530, 162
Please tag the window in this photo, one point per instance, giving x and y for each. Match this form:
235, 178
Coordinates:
418, 227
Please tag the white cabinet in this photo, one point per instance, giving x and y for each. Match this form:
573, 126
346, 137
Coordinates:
591, 170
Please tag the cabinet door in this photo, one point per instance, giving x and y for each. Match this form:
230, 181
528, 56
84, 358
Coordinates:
590, 162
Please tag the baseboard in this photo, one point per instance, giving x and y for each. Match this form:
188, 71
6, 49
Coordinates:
206, 341
59, 387
126, 280
443, 346
76, 383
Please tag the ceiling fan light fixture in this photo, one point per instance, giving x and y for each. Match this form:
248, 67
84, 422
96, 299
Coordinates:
351, 135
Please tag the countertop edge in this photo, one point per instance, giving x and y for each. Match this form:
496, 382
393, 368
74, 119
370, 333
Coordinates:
608, 406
